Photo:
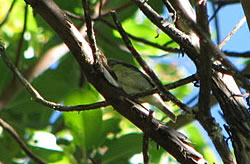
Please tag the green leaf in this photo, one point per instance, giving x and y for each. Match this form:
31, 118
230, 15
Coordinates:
109, 126
8, 147
86, 126
47, 154
44, 145
155, 153
126, 13
27, 114
196, 137
123, 148
5, 75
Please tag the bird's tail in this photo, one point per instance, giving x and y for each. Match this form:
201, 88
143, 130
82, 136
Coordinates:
157, 101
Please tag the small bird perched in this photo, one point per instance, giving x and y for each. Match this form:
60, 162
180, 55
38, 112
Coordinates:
133, 81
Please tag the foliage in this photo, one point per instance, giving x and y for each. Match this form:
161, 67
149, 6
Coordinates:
77, 137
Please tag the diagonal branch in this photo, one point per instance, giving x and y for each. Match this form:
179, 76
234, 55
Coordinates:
246, 7
214, 51
18, 139
193, 53
144, 41
35, 94
21, 39
166, 137
8, 13
235, 29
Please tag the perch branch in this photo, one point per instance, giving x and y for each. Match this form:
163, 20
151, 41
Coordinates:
38, 98
164, 136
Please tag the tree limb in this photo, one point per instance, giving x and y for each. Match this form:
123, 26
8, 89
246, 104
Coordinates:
164, 136
246, 7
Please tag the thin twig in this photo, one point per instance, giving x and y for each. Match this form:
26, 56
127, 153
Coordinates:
35, 94
164, 136
74, 16
146, 68
217, 54
216, 22
8, 13
170, 9
100, 9
22, 144
119, 8
144, 41
90, 30
37, 97
238, 54
168, 43
225, 2
209, 123
235, 29
101, 18
215, 11
20, 43
177, 35
170, 86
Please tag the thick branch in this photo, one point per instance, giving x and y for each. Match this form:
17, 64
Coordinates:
246, 6
215, 132
214, 51
235, 113
165, 137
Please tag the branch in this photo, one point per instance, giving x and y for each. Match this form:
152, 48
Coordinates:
21, 39
144, 41
170, 86
235, 113
159, 132
38, 98
214, 51
8, 13
204, 69
168, 138
238, 54
101, 18
18, 139
90, 30
207, 121
235, 29
146, 138
47, 59
246, 6
225, 2
216, 22
178, 36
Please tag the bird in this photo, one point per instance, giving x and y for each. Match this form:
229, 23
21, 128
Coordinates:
133, 81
